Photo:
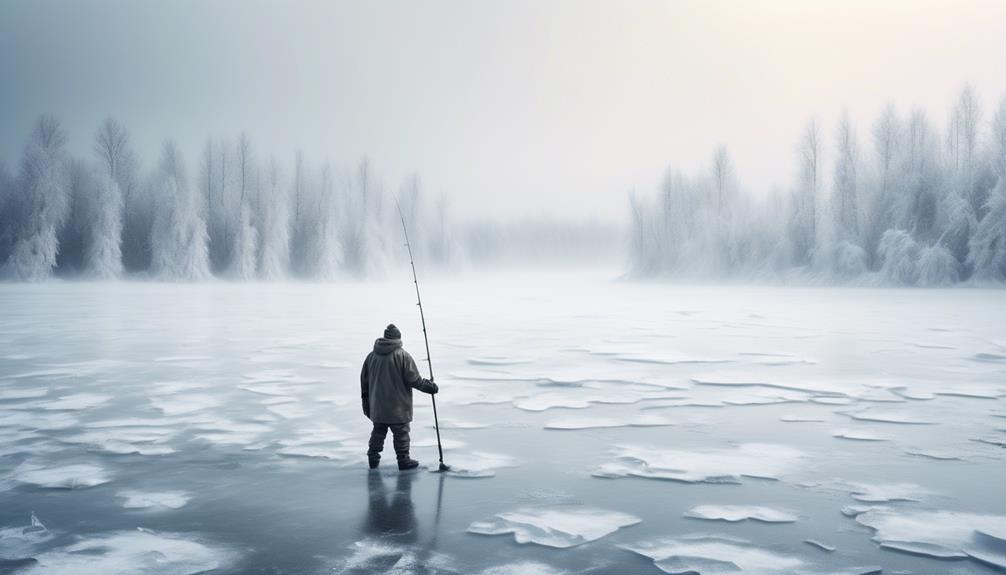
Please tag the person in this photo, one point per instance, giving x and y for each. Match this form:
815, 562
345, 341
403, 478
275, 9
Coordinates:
387, 379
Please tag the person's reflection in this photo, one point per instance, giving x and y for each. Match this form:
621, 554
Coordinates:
393, 517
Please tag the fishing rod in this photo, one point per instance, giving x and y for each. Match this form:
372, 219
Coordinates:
426, 339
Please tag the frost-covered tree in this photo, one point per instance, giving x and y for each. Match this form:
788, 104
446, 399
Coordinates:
987, 247
178, 236
245, 237
899, 254
39, 205
804, 225
274, 215
845, 182
104, 206
962, 142
321, 247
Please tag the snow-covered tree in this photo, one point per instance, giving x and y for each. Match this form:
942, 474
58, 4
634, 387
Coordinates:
104, 206
987, 247
244, 234
274, 215
178, 237
804, 226
845, 182
40, 204
899, 256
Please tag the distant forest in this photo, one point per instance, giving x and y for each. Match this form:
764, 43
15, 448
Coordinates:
902, 204
241, 216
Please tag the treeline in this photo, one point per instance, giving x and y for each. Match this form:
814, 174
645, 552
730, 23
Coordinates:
237, 215
905, 205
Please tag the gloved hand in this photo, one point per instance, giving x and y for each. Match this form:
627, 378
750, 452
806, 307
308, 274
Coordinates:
433, 388
366, 407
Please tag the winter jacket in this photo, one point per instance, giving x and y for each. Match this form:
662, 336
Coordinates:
389, 374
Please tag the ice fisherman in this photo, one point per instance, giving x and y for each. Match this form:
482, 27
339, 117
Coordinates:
387, 379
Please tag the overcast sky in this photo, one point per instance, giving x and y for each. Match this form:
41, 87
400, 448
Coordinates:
510, 107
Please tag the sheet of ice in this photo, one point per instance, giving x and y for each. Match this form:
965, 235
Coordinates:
858, 435
572, 423
460, 424
61, 476
523, 568
559, 527
478, 464
715, 465
734, 379
712, 555
140, 552
902, 417
734, 513
940, 534
334, 364
70, 369
884, 493
721, 555
154, 499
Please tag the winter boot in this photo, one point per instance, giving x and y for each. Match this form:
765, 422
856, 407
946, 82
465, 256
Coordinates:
406, 463
374, 461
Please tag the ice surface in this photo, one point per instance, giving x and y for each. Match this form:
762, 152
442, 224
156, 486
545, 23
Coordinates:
154, 499
559, 527
377, 556
729, 465
940, 534
733, 513
132, 552
271, 427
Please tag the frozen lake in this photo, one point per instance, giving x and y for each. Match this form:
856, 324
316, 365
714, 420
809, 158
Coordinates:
594, 426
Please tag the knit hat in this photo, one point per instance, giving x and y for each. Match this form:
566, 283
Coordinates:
392, 332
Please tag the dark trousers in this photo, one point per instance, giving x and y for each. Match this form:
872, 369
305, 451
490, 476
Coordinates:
400, 431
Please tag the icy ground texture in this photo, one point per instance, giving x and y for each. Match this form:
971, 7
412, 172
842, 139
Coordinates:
184, 429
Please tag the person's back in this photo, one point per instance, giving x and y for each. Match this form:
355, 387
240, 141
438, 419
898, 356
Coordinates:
386, 381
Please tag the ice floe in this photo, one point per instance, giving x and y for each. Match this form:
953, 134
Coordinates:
883, 493
717, 555
478, 464
940, 534
734, 513
559, 527
21, 542
715, 465
857, 435
61, 476
154, 499
132, 552
887, 416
